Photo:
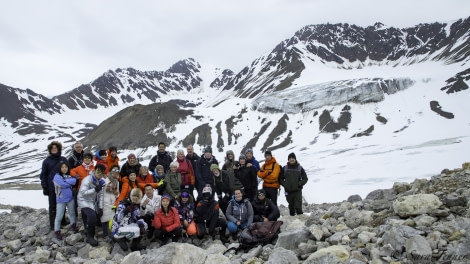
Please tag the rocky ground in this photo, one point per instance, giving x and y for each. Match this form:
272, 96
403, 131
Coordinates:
426, 221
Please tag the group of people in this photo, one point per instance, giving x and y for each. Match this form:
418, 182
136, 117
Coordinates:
168, 199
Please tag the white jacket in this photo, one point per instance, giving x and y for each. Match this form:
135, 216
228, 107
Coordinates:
87, 196
152, 206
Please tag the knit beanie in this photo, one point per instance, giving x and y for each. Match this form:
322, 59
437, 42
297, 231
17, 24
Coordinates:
249, 150
208, 149
242, 157
132, 155
102, 153
268, 152
292, 155
215, 166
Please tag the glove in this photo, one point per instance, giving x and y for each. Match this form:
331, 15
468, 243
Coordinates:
99, 213
113, 208
98, 188
45, 192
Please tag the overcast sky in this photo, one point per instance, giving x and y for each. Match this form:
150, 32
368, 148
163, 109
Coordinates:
54, 46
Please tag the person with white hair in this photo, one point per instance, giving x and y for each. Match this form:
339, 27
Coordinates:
173, 181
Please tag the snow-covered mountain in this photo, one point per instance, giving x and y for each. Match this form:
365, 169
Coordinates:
361, 108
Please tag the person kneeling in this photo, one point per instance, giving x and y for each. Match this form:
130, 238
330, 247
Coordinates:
239, 213
167, 221
127, 223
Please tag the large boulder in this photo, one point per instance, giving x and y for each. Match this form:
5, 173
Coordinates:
416, 204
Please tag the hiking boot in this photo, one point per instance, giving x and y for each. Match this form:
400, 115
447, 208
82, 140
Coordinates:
123, 243
92, 241
74, 228
136, 246
223, 239
58, 235
184, 238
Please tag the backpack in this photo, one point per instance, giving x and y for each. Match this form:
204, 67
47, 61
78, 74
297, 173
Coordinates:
285, 171
259, 233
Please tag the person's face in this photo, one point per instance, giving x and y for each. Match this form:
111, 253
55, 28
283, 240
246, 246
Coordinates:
78, 148
249, 155
238, 195
292, 161
261, 196
180, 155
230, 156
268, 157
144, 171
190, 150
165, 203
87, 160
207, 155
64, 168
134, 198
132, 160
184, 199
115, 172
216, 172
161, 148
132, 176
99, 174
113, 153
160, 171
54, 149
149, 191
173, 168
206, 196
242, 161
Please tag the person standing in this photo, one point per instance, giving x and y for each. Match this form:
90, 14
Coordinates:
132, 165
50, 167
112, 157
90, 201
204, 172
193, 158
163, 158
293, 178
251, 160
63, 189
186, 170
269, 172
76, 159
247, 176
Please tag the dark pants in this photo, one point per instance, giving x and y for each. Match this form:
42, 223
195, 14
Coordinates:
89, 221
52, 209
204, 228
148, 218
295, 202
271, 193
163, 235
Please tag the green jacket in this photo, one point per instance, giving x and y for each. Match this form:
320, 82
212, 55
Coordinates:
293, 177
173, 184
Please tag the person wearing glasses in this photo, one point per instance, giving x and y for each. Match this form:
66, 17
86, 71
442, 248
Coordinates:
264, 209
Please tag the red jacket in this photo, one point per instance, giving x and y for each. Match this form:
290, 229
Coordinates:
168, 222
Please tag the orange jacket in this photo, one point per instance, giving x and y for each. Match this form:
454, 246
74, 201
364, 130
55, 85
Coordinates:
126, 190
110, 161
269, 172
82, 172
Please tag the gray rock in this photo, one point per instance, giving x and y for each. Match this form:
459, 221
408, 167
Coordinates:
333, 254
217, 258
282, 256
354, 198
418, 248
292, 238
454, 199
416, 204
132, 258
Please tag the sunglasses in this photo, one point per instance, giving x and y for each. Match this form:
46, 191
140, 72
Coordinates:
185, 195
260, 194
115, 170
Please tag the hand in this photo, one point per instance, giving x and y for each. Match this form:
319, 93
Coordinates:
265, 219
146, 202
98, 188
269, 172
45, 192
113, 208
238, 223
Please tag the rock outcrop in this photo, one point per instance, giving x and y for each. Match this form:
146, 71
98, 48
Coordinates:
426, 221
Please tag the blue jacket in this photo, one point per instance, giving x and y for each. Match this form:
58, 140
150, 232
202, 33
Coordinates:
63, 187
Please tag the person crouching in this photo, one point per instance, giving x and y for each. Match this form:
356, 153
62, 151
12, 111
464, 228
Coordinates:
127, 223
167, 221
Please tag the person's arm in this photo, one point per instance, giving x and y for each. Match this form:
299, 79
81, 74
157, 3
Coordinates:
124, 191
176, 221
229, 213
304, 177
157, 223
250, 213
